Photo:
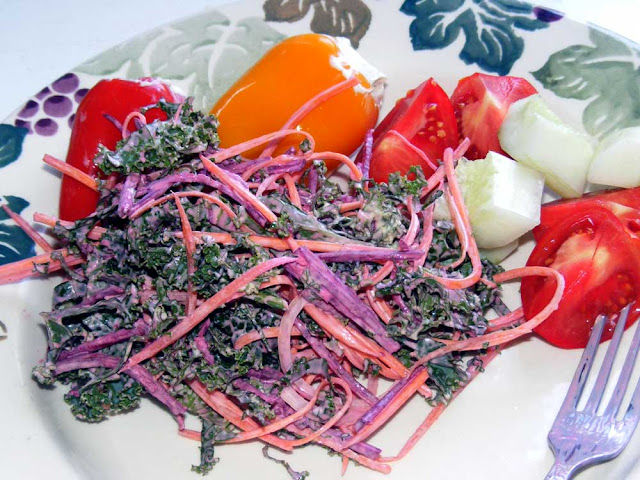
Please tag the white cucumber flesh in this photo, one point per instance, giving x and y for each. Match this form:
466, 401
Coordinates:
616, 162
502, 198
534, 136
498, 254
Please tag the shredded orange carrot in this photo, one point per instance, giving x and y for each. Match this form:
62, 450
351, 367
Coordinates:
94, 234
125, 125
279, 160
333, 420
345, 465
438, 176
355, 340
32, 267
435, 413
190, 434
211, 304
284, 332
380, 275
460, 209
255, 335
219, 402
348, 206
268, 184
190, 248
506, 320
412, 231
338, 330
460, 230
294, 196
353, 357
355, 172
423, 156
241, 190
390, 409
504, 336
279, 424
278, 280
208, 196
282, 245
379, 306
433, 181
462, 148
373, 383
29, 230
427, 237
71, 171
393, 372
261, 140
338, 447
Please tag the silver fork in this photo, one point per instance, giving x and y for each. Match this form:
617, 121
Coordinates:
582, 438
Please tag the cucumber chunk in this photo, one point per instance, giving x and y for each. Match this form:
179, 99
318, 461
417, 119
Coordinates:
616, 161
498, 254
533, 135
502, 198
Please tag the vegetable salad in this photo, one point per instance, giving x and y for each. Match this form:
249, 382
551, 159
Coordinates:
264, 298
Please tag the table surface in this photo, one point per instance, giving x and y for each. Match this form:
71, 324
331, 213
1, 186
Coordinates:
43, 39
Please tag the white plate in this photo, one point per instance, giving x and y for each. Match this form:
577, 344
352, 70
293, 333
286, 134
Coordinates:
495, 430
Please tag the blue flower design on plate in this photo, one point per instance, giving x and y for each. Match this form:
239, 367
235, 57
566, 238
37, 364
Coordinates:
11, 139
14, 243
489, 26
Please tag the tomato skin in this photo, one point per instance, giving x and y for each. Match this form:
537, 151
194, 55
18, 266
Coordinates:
600, 262
425, 118
623, 203
91, 128
480, 103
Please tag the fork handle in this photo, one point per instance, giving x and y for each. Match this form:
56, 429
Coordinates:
560, 471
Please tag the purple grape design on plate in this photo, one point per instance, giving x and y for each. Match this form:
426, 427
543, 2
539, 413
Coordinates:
80, 94
43, 93
29, 110
58, 106
52, 106
46, 127
66, 84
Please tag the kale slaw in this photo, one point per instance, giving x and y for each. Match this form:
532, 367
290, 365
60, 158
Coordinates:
368, 285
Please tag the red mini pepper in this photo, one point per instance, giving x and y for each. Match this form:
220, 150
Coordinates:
108, 100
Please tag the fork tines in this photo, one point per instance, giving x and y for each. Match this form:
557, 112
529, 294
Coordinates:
586, 362
583, 437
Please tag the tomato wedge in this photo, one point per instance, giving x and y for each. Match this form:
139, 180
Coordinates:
623, 203
425, 118
108, 98
480, 103
600, 262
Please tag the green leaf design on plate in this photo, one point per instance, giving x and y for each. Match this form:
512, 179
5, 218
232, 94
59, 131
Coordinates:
14, 243
340, 18
605, 73
11, 139
489, 28
207, 53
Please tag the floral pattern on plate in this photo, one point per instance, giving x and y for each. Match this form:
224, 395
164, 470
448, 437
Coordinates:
600, 74
203, 55
340, 18
490, 28
14, 243
215, 47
